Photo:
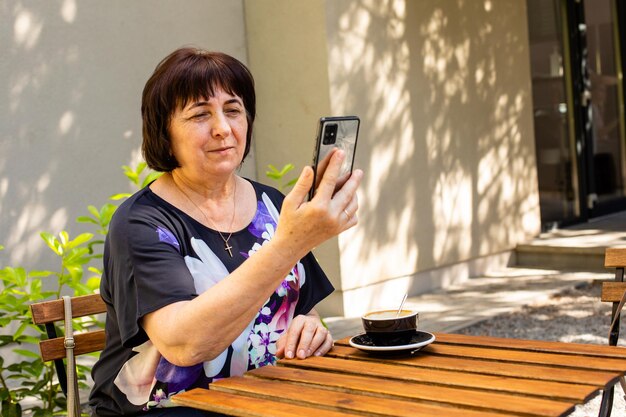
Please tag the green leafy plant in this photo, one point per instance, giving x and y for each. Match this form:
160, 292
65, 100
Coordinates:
278, 175
101, 217
29, 377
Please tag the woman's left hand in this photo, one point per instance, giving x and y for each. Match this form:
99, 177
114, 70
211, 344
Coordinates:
305, 336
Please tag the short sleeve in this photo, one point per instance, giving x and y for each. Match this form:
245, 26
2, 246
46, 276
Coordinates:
145, 268
315, 288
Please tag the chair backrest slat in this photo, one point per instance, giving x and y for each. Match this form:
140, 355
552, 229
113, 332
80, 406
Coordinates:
53, 349
51, 311
612, 292
615, 258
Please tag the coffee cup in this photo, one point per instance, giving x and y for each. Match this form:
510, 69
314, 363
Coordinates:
388, 328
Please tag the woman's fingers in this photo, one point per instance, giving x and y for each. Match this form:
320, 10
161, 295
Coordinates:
326, 188
321, 167
300, 190
325, 346
306, 336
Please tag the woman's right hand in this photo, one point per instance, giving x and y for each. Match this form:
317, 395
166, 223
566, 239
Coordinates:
305, 224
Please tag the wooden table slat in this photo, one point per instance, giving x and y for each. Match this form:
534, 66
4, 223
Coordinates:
456, 397
340, 401
518, 356
603, 351
457, 375
532, 387
236, 405
531, 345
477, 366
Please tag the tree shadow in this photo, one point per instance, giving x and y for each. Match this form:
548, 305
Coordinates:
446, 138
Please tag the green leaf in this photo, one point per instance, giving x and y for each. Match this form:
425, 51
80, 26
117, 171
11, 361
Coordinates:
82, 289
119, 196
94, 211
65, 237
26, 353
286, 169
35, 286
86, 219
11, 409
106, 213
93, 284
76, 256
76, 272
40, 274
5, 340
39, 385
273, 175
20, 330
79, 240
16, 276
133, 174
52, 243
150, 177
31, 339
1, 247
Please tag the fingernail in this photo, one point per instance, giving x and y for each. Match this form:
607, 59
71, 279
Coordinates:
308, 352
301, 354
318, 353
289, 355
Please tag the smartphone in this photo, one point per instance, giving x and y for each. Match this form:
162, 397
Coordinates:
334, 133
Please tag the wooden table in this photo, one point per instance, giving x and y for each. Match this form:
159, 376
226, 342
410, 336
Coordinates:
456, 375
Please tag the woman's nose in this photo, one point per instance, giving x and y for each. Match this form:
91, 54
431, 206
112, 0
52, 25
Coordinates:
221, 127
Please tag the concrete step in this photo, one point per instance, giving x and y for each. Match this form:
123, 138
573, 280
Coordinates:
577, 248
564, 258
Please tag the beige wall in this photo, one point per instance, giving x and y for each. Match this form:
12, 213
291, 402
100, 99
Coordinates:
71, 79
443, 91
287, 54
442, 88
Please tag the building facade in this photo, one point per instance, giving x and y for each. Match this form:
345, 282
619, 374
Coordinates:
447, 91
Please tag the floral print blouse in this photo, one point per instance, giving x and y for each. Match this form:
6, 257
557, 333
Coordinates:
155, 254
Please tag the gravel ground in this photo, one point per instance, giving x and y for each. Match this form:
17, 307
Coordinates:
574, 315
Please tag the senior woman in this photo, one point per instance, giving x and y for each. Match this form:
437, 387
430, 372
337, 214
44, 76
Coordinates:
208, 274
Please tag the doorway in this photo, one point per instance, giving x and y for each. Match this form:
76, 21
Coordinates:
578, 106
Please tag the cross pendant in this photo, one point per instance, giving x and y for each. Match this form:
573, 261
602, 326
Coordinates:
228, 248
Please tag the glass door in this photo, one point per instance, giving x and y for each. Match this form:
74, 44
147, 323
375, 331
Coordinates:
555, 146
578, 106
607, 143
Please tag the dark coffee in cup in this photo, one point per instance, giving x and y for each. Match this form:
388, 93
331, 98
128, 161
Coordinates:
385, 329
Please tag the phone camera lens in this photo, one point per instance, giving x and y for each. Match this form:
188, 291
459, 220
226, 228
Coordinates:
330, 134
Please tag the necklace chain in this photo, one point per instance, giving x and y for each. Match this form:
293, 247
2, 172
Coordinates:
227, 247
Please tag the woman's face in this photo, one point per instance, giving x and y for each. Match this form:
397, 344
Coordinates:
208, 137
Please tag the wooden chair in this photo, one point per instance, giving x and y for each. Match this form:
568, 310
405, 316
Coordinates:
55, 348
614, 292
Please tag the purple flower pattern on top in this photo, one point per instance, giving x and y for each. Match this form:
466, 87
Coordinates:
255, 347
167, 237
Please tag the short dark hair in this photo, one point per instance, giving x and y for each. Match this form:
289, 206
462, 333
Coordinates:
186, 75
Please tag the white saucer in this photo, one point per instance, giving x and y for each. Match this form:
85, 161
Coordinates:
418, 341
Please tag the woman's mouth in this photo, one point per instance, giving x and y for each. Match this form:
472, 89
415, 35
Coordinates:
221, 150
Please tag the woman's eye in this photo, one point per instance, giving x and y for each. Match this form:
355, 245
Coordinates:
233, 111
199, 115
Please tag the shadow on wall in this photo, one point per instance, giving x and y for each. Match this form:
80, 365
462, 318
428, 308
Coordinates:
63, 128
71, 78
446, 136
